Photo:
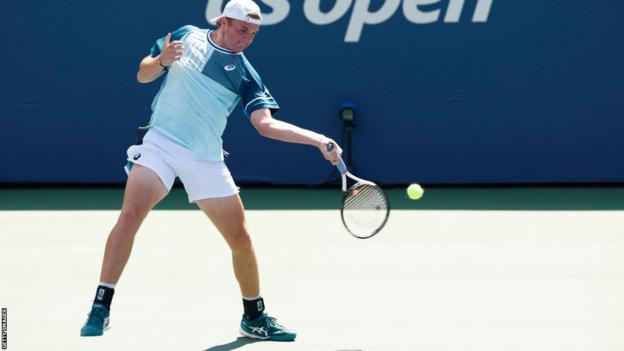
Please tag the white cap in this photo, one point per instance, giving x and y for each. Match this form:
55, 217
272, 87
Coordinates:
240, 10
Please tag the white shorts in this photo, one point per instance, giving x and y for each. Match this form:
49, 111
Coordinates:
202, 179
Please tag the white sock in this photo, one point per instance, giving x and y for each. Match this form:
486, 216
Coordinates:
108, 285
252, 298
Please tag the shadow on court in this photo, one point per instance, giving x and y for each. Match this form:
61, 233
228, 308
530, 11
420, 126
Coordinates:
233, 345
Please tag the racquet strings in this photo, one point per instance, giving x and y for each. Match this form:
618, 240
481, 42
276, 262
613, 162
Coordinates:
364, 209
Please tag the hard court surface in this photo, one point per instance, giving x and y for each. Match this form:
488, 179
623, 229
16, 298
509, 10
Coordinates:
433, 279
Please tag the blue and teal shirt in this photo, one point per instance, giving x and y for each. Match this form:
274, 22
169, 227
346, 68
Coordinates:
201, 90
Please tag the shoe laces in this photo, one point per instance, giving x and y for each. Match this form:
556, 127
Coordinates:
272, 323
97, 315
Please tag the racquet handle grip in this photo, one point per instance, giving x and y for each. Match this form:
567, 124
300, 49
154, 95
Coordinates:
340, 165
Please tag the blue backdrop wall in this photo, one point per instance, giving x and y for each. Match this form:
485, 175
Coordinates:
448, 91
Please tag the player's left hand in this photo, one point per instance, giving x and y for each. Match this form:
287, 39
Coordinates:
332, 156
172, 51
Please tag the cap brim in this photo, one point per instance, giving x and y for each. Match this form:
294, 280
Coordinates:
214, 20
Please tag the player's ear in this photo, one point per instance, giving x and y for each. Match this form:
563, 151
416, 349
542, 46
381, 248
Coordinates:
224, 20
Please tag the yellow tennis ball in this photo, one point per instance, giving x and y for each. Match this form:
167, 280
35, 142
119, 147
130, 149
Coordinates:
415, 191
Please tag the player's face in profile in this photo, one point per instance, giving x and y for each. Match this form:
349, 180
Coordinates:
238, 35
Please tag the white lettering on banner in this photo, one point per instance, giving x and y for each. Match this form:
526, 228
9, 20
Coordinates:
312, 11
482, 11
415, 15
361, 16
281, 9
453, 11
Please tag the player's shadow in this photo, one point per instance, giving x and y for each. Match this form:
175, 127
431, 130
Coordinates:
233, 345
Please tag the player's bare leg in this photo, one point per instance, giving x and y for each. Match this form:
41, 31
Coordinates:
228, 215
144, 190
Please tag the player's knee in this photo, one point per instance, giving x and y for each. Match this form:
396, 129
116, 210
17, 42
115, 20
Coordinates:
242, 242
130, 217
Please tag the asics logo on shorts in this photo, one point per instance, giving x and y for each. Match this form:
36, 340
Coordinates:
136, 156
229, 68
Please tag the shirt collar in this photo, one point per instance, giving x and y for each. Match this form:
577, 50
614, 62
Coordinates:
219, 48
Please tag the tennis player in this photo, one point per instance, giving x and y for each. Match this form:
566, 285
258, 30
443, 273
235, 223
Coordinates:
207, 75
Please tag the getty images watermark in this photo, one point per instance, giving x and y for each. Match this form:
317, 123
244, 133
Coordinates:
4, 328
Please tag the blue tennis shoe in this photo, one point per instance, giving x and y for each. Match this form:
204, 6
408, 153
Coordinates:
97, 321
266, 328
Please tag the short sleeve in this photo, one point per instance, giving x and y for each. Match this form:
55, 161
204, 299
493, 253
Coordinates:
178, 34
258, 98
256, 95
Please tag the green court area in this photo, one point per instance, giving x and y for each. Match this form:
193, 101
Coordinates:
285, 198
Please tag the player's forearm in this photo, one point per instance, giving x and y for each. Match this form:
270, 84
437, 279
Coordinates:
279, 130
149, 70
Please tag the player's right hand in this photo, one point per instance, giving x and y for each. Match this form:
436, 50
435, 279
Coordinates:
331, 154
172, 51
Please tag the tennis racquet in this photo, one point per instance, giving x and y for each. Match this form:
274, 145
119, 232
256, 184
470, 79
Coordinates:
365, 208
